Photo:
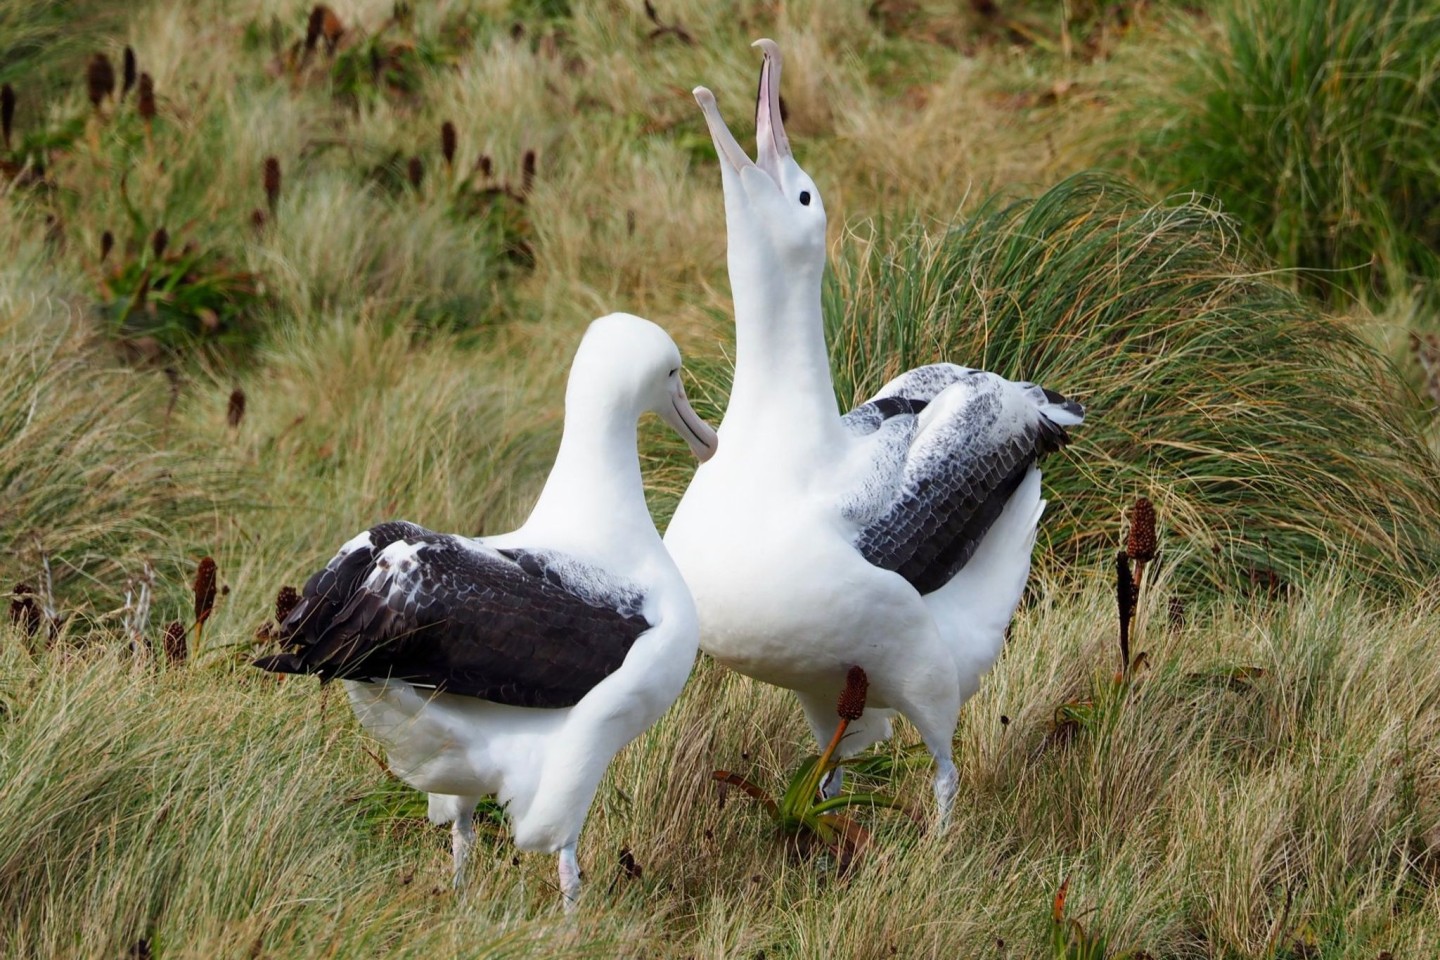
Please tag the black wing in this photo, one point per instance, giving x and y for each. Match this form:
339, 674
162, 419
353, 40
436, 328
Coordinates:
524, 628
981, 436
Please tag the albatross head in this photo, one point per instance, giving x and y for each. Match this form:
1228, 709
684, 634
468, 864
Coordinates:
773, 212
630, 365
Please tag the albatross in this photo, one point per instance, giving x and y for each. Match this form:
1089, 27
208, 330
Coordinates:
518, 665
896, 537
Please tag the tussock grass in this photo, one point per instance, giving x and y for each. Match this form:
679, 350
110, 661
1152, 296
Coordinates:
85, 475
216, 812
1261, 428
1314, 123
219, 812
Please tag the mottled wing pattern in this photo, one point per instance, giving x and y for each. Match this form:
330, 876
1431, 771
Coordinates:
978, 435
524, 628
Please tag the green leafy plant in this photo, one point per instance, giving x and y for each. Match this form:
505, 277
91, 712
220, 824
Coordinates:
802, 814
165, 299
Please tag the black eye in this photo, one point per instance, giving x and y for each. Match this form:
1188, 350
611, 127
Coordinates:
804, 198
675, 371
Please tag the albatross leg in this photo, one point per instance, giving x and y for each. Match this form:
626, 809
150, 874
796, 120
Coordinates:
947, 782
459, 812
462, 838
569, 877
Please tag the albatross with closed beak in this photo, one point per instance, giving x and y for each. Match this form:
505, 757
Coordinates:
897, 537
518, 665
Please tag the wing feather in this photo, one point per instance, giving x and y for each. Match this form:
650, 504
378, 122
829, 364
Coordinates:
978, 435
525, 628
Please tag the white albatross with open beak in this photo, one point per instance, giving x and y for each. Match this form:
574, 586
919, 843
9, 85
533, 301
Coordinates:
896, 537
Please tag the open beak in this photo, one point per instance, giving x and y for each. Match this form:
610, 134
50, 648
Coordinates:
697, 433
772, 145
725, 144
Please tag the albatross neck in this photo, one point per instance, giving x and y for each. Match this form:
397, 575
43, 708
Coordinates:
593, 497
782, 368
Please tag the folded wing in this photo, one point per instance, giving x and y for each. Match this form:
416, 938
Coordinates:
524, 628
976, 437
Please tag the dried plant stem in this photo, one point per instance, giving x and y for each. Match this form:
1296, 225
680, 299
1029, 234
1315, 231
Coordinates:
1125, 602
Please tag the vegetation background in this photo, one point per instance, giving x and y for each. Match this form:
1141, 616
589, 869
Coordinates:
270, 273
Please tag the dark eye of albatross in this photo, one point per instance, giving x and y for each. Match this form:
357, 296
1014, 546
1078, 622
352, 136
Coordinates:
804, 198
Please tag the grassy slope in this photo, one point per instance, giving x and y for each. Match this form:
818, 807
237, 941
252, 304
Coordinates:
213, 809
222, 813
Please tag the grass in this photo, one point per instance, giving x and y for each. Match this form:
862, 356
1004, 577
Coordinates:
1314, 123
217, 812
1265, 784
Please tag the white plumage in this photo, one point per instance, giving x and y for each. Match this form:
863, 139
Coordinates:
518, 665
896, 538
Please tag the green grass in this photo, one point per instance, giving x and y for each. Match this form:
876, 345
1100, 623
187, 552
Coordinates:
1314, 123
220, 813
1266, 785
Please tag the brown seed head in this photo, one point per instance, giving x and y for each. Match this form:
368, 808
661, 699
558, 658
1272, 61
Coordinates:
331, 28
852, 699
176, 648
1141, 543
272, 183
99, 79
527, 172
415, 172
485, 166
146, 98
204, 589
127, 82
447, 142
257, 219
7, 112
107, 243
159, 241
314, 26
285, 602
236, 410
24, 611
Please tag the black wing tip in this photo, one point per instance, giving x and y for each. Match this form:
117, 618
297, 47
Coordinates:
1064, 403
281, 663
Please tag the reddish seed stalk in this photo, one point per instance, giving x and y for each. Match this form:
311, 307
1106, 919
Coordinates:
99, 79
204, 586
235, 411
7, 112
448, 142
271, 179
145, 102
1125, 601
127, 82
